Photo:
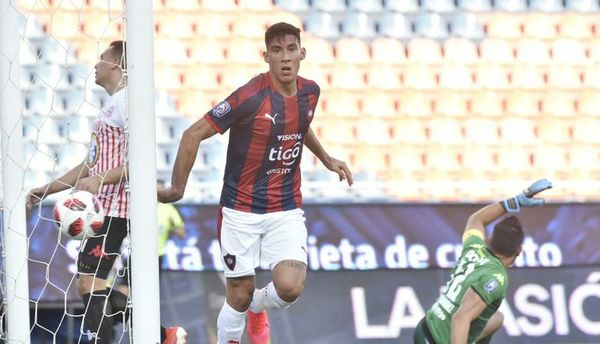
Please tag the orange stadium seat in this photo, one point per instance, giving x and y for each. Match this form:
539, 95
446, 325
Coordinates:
246, 51
500, 51
523, 104
352, 51
421, 77
207, 50
481, 131
574, 25
504, 25
492, 76
558, 103
387, 50
378, 103
568, 51
555, 131
588, 103
424, 51
542, 26
460, 50
488, 103
318, 50
532, 51
385, 77
417, 104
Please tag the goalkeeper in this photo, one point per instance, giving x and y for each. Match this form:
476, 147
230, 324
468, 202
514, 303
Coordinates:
466, 312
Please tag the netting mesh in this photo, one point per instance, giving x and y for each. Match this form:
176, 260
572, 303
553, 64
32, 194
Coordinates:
59, 44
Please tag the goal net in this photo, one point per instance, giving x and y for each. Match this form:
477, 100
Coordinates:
58, 44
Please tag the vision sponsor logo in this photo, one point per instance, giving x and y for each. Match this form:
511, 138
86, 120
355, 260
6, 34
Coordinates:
289, 137
284, 170
288, 156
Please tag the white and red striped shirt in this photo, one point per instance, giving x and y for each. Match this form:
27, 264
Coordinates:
108, 149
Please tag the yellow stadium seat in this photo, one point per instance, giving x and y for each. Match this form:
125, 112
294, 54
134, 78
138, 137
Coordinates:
516, 162
386, 50
171, 51
482, 131
318, 50
445, 163
214, 25
488, 103
193, 104
180, 25
496, 50
169, 77
349, 77
481, 161
565, 77
504, 25
374, 131
207, 50
65, 25
460, 50
523, 104
552, 161
250, 26
319, 74
574, 25
421, 77
445, 131
588, 103
410, 131
235, 76
417, 104
558, 103
529, 77
341, 103
255, 5
492, 76
453, 104
584, 161
424, 51
219, 5
182, 5
378, 103
456, 77
203, 77
555, 131
384, 77
592, 76
532, 51
586, 130
352, 50
542, 26
246, 51
519, 130
569, 52
594, 51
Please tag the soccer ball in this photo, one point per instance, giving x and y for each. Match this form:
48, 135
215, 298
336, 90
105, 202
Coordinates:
78, 214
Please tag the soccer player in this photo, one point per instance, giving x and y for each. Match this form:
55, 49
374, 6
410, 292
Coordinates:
466, 312
104, 173
260, 218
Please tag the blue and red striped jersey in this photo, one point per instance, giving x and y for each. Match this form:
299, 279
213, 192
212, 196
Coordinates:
266, 138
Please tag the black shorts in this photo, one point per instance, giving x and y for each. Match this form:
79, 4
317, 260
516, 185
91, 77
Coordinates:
101, 250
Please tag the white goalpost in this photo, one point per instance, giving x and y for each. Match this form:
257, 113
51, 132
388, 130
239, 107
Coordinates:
47, 102
14, 245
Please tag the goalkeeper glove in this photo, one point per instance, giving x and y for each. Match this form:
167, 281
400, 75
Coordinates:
525, 198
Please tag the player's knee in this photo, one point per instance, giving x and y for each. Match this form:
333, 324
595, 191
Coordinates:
239, 294
289, 291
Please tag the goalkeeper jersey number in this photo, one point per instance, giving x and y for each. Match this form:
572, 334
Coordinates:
479, 269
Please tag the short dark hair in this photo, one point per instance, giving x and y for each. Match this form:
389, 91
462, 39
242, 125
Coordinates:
119, 49
281, 29
507, 237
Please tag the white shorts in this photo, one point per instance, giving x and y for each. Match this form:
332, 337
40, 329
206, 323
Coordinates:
250, 240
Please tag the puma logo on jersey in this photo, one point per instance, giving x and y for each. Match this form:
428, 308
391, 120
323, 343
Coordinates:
272, 118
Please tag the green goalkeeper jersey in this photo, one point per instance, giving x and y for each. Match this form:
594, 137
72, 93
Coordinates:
479, 269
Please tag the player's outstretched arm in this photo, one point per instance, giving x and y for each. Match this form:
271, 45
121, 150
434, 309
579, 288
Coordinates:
113, 176
484, 216
66, 181
470, 307
186, 156
312, 142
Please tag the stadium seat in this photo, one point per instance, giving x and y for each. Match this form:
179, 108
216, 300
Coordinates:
445, 131
466, 25
504, 25
592, 77
438, 6
73, 153
402, 6
194, 104
395, 25
33, 29
421, 77
488, 103
494, 77
322, 24
552, 161
558, 103
568, 52
169, 77
511, 5
519, 130
481, 161
532, 51
53, 51
339, 131
165, 104
555, 131
77, 129
78, 74
456, 77
528, 76
586, 130
215, 24
481, 131
42, 102
203, 77
276, 16
516, 162
475, 5
460, 51
564, 77
541, 26
294, 5
374, 131
171, 51
358, 24
98, 26
218, 5
318, 50
366, 6
378, 103
452, 104
331, 6
386, 50
431, 25
549, 6
250, 26
385, 77
352, 51
40, 157
235, 76
51, 76
78, 102
255, 5
589, 103
348, 77
246, 51
584, 6
575, 25
207, 50
424, 51
521, 103
64, 25
410, 131
497, 51
416, 104
179, 25
584, 161
342, 103
321, 75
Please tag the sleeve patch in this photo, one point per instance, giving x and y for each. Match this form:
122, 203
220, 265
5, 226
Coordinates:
221, 109
491, 286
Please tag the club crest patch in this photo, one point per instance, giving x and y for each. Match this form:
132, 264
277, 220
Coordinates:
491, 286
221, 109
229, 261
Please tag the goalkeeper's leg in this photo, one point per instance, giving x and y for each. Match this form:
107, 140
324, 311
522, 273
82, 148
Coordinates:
493, 325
